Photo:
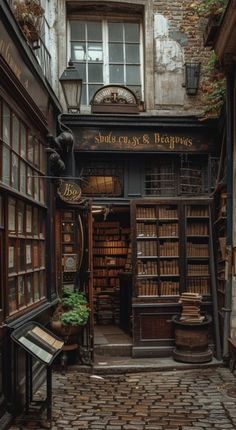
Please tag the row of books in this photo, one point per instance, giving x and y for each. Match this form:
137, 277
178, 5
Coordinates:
103, 282
146, 212
197, 211
150, 288
169, 249
169, 267
106, 272
167, 213
110, 243
198, 269
168, 288
197, 229
197, 249
110, 231
148, 230
147, 247
170, 229
147, 268
110, 251
105, 261
100, 237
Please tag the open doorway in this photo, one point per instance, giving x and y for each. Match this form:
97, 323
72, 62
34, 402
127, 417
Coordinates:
112, 281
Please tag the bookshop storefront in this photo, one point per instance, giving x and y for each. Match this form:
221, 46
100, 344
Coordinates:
149, 182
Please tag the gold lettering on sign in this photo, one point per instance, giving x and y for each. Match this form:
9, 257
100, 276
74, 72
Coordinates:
69, 192
6, 51
145, 139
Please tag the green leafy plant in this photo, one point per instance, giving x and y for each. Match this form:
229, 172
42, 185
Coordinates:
213, 88
209, 8
73, 309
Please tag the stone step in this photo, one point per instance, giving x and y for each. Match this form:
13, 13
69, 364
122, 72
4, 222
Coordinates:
114, 350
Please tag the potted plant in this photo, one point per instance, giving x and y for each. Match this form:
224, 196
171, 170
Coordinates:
71, 314
29, 15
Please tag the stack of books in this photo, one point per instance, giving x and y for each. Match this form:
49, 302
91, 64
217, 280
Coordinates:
191, 308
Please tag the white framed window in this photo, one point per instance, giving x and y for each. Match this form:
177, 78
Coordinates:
108, 51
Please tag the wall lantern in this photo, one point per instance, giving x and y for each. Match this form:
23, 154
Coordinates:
192, 75
72, 87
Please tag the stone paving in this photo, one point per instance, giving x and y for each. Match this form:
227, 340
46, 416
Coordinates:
175, 400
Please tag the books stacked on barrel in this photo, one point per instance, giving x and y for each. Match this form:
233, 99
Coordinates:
191, 303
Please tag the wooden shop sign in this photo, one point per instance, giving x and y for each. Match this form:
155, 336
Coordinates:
69, 192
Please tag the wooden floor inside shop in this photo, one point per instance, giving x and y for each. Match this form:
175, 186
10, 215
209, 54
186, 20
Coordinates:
112, 341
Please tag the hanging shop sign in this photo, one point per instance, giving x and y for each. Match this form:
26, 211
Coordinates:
114, 99
144, 140
69, 192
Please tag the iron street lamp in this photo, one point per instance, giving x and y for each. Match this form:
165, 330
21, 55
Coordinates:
72, 87
192, 75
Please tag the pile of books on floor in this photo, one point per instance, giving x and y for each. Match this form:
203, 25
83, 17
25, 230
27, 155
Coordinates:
191, 303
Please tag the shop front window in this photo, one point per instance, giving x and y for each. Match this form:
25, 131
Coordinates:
107, 52
102, 180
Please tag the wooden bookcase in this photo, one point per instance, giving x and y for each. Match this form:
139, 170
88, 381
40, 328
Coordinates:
110, 248
171, 254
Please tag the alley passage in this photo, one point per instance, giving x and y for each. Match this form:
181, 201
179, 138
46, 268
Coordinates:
191, 399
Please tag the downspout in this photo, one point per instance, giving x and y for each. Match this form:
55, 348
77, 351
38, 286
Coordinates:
229, 180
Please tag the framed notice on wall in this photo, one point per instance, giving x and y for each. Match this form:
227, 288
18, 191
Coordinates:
70, 262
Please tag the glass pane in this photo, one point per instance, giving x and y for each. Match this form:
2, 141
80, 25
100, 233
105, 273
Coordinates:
42, 158
15, 133
21, 255
20, 215
28, 254
42, 190
78, 51
30, 154
14, 171
131, 32
28, 219
36, 187
94, 31
116, 53
36, 153
115, 30
12, 294
132, 53
95, 73
36, 285
5, 165
42, 285
11, 256
41, 225
6, 124
84, 95
77, 30
42, 254
22, 177
116, 74
29, 183
132, 75
23, 141
11, 215
29, 290
35, 222
82, 71
35, 254
95, 52
21, 292
92, 90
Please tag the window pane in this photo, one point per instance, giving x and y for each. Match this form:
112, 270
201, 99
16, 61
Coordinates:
20, 215
29, 289
133, 75
35, 222
36, 187
11, 256
21, 291
131, 32
132, 53
36, 153
35, 254
14, 171
92, 90
1, 212
77, 30
23, 141
78, 51
116, 74
11, 215
21, 255
5, 165
42, 191
22, 177
95, 73
41, 225
115, 30
36, 285
42, 158
29, 219
12, 294
82, 71
42, 254
30, 154
6, 124
42, 283
15, 133
29, 183
95, 52
28, 254
116, 53
84, 95
94, 31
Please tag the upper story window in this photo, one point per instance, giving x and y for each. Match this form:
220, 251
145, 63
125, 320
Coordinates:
107, 52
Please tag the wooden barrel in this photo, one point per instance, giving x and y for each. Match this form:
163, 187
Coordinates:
191, 341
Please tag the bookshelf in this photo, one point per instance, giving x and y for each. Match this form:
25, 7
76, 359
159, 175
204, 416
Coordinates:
157, 244
110, 251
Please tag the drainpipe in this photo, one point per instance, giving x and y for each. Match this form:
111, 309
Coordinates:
229, 180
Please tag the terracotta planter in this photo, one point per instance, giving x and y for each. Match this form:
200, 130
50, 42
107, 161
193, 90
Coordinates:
64, 330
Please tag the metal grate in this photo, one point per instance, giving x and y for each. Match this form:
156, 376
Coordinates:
191, 181
102, 180
160, 180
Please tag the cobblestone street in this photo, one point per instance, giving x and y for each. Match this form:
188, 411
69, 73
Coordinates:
191, 399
